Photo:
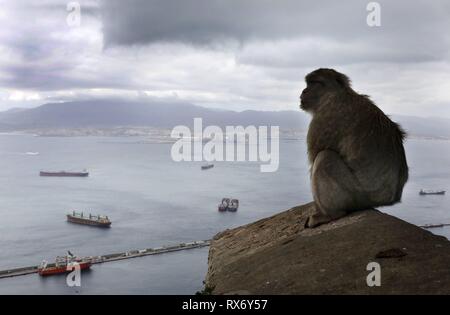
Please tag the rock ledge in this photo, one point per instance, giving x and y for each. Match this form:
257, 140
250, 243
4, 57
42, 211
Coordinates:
277, 255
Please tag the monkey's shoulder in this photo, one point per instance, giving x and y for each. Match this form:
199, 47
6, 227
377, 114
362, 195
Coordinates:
357, 130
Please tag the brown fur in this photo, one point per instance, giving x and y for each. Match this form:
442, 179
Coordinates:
362, 159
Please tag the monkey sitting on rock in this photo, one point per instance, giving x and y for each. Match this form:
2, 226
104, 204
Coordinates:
355, 151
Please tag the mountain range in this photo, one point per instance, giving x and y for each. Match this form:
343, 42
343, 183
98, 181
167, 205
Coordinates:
163, 114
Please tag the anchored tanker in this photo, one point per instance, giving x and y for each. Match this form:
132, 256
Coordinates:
431, 192
95, 220
64, 174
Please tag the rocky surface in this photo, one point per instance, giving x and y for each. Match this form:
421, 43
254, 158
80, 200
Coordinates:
277, 255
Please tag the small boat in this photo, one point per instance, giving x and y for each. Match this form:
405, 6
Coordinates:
229, 204
431, 192
63, 264
234, 205
94, 220
32, 153
207, 166
64, 174
224, 204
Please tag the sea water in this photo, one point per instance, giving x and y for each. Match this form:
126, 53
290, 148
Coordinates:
154, 201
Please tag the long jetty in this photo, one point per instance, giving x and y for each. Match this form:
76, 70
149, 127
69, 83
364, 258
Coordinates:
431, 226
113, 257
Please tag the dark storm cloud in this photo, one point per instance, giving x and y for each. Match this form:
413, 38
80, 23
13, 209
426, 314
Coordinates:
407, 29
211, 21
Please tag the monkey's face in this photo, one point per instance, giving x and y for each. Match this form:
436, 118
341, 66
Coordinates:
310, 97
321, 84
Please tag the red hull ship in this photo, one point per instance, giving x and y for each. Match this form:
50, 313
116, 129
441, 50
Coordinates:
62, 265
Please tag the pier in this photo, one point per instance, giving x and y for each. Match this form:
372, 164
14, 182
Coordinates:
431, 226
114, 257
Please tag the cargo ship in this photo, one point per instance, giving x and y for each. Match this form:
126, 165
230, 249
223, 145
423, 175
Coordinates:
63, 264
93, 220
431, 192
64, 174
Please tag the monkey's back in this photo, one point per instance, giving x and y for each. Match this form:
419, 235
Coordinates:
366, 139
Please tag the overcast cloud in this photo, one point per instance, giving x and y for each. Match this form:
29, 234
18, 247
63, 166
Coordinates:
236, 54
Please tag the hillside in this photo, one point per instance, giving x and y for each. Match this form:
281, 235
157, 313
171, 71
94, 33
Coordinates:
104, 113
163, 114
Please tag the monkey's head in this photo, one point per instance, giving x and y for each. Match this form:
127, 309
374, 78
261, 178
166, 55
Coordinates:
321, 84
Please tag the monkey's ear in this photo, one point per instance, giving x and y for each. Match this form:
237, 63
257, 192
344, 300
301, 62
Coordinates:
343, 80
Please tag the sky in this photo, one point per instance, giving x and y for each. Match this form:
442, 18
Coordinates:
231, 54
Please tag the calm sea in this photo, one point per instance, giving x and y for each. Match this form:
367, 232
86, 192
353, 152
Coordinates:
154, 201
